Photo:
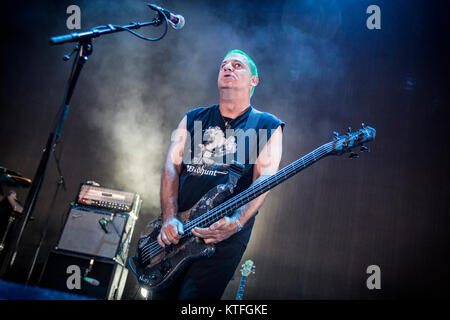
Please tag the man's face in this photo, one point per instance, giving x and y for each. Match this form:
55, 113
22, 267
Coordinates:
235, 73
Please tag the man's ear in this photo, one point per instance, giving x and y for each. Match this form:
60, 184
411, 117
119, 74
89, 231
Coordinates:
255, 81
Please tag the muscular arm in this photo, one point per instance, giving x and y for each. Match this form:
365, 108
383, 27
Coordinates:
266, 165
172, 228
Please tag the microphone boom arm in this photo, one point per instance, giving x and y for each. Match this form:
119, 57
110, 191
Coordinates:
98, 31
110, 28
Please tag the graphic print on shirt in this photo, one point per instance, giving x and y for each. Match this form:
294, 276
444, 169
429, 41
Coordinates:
210, 153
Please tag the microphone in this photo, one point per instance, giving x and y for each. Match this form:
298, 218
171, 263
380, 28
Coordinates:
176, 20
91, 281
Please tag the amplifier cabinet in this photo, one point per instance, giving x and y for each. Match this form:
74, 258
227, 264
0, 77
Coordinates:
97, 236
83, 233
61, 267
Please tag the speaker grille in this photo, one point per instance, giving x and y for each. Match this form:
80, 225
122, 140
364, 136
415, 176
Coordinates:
83, 233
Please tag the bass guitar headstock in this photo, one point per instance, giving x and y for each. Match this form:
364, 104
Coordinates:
342, 144
247, 268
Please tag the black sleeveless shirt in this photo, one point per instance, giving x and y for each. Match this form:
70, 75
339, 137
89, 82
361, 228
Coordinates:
210, 148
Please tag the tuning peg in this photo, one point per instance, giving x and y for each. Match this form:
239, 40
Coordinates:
349, 130
353, 155
335, 135
365, 149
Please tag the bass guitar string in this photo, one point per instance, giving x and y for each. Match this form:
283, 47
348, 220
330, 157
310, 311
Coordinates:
265, 181
250, 190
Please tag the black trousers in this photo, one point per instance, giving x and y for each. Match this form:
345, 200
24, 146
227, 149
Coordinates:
208, 277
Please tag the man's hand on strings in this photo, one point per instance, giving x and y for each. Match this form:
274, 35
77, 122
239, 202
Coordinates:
219, 231
171, 232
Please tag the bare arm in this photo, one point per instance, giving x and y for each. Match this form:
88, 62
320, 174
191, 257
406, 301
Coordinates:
172, 228
266, 165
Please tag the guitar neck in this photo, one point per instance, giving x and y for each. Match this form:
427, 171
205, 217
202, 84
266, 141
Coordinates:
260, 188
241, 288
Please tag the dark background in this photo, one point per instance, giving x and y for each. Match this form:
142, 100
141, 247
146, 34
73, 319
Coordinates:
321, 69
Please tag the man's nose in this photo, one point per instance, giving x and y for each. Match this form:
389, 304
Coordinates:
228, 66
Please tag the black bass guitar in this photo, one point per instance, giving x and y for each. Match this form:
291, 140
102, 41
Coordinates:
156, 267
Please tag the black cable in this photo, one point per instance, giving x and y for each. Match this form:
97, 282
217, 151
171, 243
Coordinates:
112, 26
119, 252
143, 37
132, 269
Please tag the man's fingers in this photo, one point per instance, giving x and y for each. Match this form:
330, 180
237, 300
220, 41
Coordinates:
165, 238
170, 236
170, 232
210, 240
215, 226
180, 230
161, 243
202, 232
173, 230
219, 224
216, 232
196, 232
206, 238
173, 234
207, 235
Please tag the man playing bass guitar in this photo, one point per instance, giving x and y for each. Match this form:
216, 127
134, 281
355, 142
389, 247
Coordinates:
193, 166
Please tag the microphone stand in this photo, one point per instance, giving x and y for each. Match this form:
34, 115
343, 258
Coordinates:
60, 182
84, 49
